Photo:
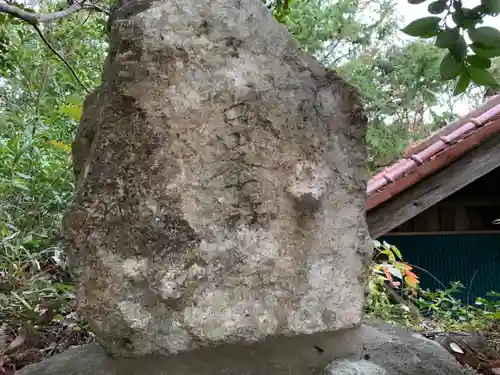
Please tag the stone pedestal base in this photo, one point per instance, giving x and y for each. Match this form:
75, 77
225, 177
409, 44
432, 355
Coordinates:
378, 349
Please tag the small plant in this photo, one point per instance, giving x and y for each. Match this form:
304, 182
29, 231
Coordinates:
391, 279
396, 297
394, 267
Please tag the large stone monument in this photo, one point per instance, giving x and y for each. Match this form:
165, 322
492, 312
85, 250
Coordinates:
218, 222
221, 185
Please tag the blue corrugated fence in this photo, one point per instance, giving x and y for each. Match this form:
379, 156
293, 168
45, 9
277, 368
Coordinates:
454, 257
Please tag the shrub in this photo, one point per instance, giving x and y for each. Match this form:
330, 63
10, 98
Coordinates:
395, 296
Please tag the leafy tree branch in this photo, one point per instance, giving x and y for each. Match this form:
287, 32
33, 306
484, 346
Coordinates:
35, 19
60, 57
451, 22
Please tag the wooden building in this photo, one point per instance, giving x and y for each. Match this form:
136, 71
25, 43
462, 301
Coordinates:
439, 203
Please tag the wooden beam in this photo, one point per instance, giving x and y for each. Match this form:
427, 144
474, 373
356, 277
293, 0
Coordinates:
435, 188
461, 219
432, 215
469, 202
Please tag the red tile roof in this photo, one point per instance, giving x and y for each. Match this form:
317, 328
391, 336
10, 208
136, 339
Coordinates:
435, 152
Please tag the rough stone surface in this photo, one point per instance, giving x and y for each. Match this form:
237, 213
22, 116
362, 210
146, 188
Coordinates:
353, 367
388, 351
399, 351
221, 184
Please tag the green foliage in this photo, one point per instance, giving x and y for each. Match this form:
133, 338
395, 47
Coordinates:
420, 309
340, 30
469, 62
442, 310
279, 8
40, 106
450, 67
462, 84
436, 7
404, 95
388, 270
447, 38
426, 27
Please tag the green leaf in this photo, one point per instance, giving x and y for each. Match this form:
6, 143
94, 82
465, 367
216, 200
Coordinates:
396, 251
472, 14
426, 27
4, 231
481, 76
23, 150
450, 67
416, 1
459, 49
479, 62
491, 6
389, 254
486, 36
457, 17
27, 239
437, 7
72, 111
481, 9
466, 18
485, 52
462, 84
24, 176
447, 38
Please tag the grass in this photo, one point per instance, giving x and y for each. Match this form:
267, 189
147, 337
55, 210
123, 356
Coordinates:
36, 291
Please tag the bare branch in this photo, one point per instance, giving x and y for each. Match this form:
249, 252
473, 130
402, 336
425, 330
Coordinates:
37, 18
48, 17
98, 8
61, 57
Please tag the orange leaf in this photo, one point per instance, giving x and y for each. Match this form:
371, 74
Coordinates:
407, 267
411, 275
411, 281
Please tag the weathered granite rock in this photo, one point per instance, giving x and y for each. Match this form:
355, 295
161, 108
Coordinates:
353, 367
388, 351
391, 350
221, 186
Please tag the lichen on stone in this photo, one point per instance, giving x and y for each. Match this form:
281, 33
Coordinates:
221, 184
